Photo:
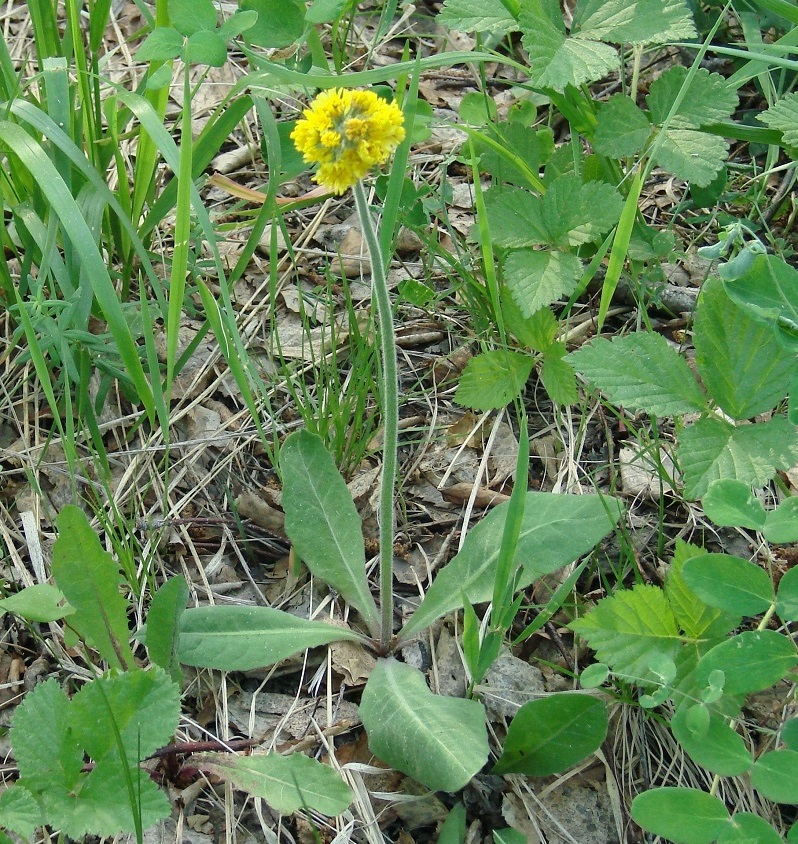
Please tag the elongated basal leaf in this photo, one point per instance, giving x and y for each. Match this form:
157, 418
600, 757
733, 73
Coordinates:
322, 522
440, 741
286, 783
244, 638
548, 540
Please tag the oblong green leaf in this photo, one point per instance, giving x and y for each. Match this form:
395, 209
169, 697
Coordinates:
717, 747
163, 625
751, 661
440, 741
245, 638
731, 503
551, 734
40, 602
787, 597
322, 522
729, 583
547, 542
681, 815
89, 578
286, 783
775, 776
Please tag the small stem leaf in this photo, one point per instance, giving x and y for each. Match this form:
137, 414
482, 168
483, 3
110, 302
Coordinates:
551, 734
244, 638
681, 815
752, 661
286, 783
730, 503
781, 524
775, 776
19, 811
163, 625
40, 602
322, 522
729, 583
89, 578
547, 542
718, 748
440, 741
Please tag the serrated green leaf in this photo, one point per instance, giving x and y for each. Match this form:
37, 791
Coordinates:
19, 811
709, 99
635, 22
731, 503
547, 542
536, 279
751, 661
768, 290
48, 756
568, 214
641, 372
694, 617
440, 741
144, 706
775, 775
190, 16
622, 128
241, 638
743, 366
477, 16
783, 115
681, 815
493, 379
718, 748
712, 448
89, 578
558, 376
322, 522
161, 45
536, 332
286, 783
557, 60
40, 602
691, 155
549, 735
729, 583
629, 628
206, 47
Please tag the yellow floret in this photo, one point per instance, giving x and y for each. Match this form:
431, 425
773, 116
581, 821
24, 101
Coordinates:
347, 133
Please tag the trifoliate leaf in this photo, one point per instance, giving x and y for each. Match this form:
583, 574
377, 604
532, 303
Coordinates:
630, 629
635, 22
558, 376
206, 47
742, 364
493, 379
161, 45
784, 116
557, 60
190, 16
691, 155
477, 16
279, 23
712, 448
709, 98
641, 372
536, 332
538, 278
623, 128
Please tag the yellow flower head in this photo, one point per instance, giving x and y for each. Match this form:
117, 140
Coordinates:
347, 133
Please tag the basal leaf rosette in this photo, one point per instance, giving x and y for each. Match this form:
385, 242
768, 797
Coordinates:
347, 133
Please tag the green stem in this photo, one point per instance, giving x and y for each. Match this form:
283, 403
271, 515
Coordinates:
390, 412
